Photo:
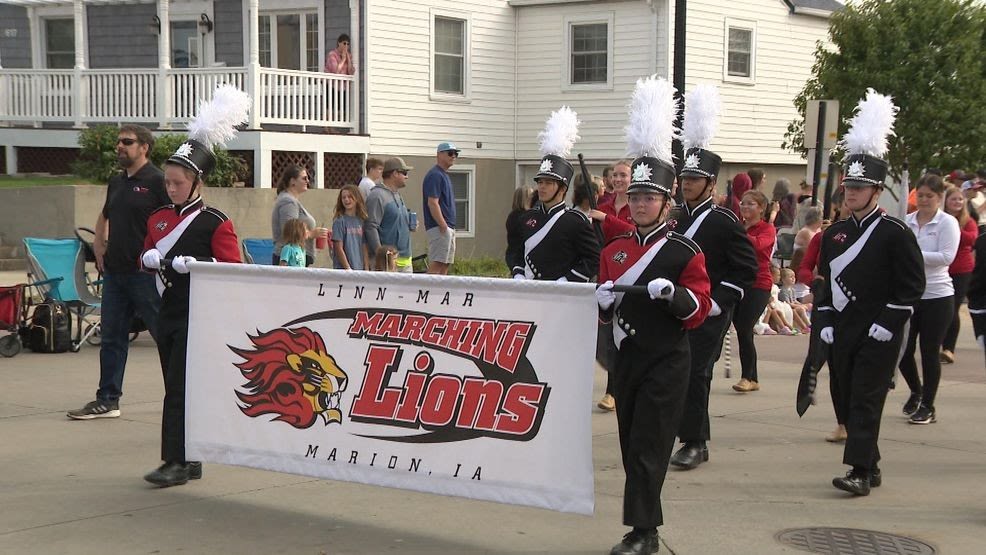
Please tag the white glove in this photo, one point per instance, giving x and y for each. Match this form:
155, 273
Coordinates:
562, 279
982, 341
180, 263
827, 334
880, 333
152, 259
520, 276
605, 295
660, 288
716, 309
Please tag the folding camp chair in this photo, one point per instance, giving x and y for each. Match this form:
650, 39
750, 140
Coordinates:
57, 268
259, 251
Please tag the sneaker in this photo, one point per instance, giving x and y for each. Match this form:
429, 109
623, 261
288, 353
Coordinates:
96, 409
912, 404
924, 415
947, 357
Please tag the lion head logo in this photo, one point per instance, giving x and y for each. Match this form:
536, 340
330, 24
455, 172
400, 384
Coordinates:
290, 374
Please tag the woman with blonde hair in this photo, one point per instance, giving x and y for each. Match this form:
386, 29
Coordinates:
961, 268
753, 208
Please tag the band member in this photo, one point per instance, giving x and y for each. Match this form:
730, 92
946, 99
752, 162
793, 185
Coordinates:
559, 243
874, 275
977, 293
183, 232
729, 261
649, 327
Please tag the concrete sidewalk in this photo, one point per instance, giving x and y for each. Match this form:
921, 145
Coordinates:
76, 487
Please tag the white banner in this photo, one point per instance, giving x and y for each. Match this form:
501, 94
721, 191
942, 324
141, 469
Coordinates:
473, 387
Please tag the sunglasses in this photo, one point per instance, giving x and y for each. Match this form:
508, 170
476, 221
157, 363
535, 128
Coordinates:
125, 141
403, 172
452, 153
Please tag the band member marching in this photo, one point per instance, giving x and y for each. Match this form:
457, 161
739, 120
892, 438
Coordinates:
729, 261
559, 243
650, 328
183, 232
874, 275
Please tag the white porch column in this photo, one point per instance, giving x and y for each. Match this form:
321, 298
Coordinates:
357, 46
11, 151
262, 165
254, 85
78, 13
164, 65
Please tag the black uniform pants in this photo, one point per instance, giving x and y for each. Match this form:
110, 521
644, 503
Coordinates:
863, 368
171, 346
705, 344
928, 324
650, 393
606, 353
961, 284
979, 326
747, 312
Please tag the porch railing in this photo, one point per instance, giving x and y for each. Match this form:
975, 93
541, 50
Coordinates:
135, 95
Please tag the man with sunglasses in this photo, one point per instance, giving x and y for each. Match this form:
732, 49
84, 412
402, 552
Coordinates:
388, 220
439, 210
121, 227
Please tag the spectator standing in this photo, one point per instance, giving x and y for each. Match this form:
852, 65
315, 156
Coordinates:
607, 192
787, 204
976, 194
439, 210
938, 237
618, 207
738, 187
348, 243
293, 251
523, 196
340, 59
288, 206
753, 210
757, 179
812, 227
387, 216
961, 268
374, 173
804, 202
131, 196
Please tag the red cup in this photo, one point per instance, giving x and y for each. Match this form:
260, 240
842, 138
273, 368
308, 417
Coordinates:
322, 241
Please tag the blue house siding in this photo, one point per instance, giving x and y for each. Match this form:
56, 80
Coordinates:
228, 34
15, 51
120, 36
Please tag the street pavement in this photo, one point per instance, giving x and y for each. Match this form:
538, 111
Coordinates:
75, 487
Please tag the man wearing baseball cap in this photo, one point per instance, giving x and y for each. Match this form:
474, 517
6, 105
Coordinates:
439, 210
388, 220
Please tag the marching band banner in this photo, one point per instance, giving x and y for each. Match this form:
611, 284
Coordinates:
472, 387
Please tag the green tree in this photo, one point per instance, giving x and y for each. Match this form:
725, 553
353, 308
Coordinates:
930, 56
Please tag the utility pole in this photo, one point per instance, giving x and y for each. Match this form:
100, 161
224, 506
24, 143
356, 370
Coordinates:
678, 79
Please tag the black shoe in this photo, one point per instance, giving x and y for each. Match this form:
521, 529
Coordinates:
876, 478
912, 404
637, 542
194, 470
924, 415
169, 474
691, 454
856, 483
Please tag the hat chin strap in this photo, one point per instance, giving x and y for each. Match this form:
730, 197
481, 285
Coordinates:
191, 192
551, 202
661, 216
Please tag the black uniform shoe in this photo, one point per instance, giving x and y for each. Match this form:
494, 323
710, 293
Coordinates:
924, 415
856, 483
912, 404
194, 470
169, 474
637, 542
692, 454
876, 478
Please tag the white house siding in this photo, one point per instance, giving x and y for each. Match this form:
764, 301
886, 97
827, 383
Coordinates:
755, 116
402, 118
541, 40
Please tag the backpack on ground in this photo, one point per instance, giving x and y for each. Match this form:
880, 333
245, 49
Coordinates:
51, 328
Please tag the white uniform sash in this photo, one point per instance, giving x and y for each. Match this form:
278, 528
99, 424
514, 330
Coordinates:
629, 278
841, 262
693, 229
534, 240
166, 243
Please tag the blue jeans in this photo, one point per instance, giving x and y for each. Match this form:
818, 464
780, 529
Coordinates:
124, 295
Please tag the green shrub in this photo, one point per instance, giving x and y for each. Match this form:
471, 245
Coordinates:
485, 266
97, 156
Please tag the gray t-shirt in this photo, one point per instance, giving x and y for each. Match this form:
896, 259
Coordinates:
349, 230
287, 207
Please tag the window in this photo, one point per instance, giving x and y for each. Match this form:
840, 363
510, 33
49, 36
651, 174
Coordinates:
589, 53
740, 61
450, 58
186, 48
59, 43
289, 40
464, 190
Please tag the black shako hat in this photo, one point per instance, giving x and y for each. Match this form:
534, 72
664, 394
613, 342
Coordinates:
700, 162
194, 156
557, 168
650, 175
863, 170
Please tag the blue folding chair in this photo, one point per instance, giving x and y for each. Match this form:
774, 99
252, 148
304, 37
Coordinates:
259, 251
57, 269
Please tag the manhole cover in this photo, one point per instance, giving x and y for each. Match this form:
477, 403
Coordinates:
849, 541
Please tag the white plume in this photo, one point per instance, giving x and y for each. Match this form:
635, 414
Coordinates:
870, 126
702, 110
217, 118
653, 109
560, 133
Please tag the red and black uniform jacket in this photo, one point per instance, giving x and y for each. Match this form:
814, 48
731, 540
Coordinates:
632, 259
570, 248
729, 257
193, 230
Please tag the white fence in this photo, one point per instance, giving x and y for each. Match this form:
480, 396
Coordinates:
137, 95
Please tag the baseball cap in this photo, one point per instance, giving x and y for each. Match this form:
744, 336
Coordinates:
445, 147
969, 185
395, 163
